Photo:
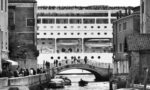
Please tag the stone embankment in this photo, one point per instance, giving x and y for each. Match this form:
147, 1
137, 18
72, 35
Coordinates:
32, 82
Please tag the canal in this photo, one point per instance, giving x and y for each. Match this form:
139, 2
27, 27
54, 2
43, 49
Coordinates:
91, 85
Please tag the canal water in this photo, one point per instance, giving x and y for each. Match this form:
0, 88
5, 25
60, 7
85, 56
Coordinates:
91, 85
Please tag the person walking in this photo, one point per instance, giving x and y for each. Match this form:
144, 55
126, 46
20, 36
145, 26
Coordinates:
85, 59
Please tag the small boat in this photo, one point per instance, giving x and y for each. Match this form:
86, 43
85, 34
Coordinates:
82, 83
67, 81
56, 83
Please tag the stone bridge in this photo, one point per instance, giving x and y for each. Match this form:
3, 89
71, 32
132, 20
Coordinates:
100, 70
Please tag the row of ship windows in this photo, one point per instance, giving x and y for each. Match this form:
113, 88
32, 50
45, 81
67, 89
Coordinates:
105, 33
73, 27
92, 57
73, 21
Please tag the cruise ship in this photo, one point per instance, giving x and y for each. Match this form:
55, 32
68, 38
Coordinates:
65, 32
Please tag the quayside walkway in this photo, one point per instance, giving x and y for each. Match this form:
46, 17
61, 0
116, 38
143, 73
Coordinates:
32, 82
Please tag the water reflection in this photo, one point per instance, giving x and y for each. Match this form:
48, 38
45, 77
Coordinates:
91, 85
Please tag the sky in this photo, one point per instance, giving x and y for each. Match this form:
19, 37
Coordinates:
88, 2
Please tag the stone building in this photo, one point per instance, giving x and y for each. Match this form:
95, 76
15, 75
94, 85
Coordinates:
22, 32
123, 28
3, 31
131, 45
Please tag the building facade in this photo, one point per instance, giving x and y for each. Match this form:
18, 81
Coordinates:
22, 31
122, 28
68, 32
131, 44
3, 31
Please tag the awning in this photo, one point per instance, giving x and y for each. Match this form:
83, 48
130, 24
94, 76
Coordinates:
10, 61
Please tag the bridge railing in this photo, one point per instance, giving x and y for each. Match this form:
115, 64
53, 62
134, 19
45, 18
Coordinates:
81, 61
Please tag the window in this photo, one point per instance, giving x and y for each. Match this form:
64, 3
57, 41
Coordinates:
38, 20
92, 26
62, 21
101, 21
65, 26
48, 21
105, 33
30, 22
58, 33
11, 18
120, 47
71, 33
98, 26
52, 57
98, 33
37, 33
2, 5
85, 33
89, 21
124, 25
105, 26
112, 20
113, 14
65, 33
5, 5
75, 21
92, 57
44, 33
43, 42
119, 27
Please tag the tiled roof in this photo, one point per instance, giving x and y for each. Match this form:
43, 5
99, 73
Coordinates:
22, 1
138, 42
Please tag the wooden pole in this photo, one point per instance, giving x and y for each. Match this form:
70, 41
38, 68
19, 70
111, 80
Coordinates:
145, 79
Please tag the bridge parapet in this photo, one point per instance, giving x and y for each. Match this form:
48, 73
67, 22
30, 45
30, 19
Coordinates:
81, 61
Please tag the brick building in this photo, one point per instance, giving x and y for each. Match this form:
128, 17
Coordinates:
132, 45
3, 31
22, 32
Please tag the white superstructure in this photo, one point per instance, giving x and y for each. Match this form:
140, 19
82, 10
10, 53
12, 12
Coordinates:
65, 32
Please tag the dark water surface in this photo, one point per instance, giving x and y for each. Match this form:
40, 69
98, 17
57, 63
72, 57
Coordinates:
91, 85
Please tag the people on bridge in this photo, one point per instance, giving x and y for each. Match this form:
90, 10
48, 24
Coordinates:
56, 63
85, 59
16, 73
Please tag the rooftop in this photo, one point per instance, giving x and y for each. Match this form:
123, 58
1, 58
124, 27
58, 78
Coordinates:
22, 1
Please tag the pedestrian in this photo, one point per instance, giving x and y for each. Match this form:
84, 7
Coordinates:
10, 73
66, 61
31, 71
27, 72
59, 63
85, 59
16, 73
56, 63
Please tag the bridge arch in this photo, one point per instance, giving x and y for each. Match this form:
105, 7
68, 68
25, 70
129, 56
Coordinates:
101, 74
